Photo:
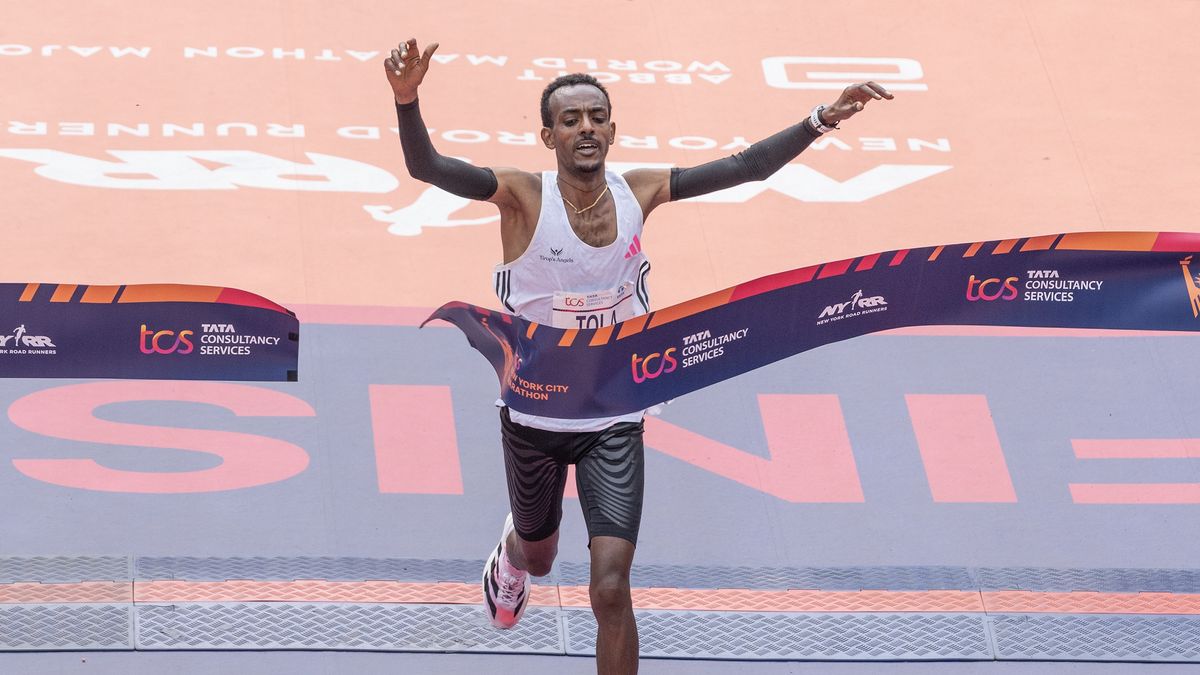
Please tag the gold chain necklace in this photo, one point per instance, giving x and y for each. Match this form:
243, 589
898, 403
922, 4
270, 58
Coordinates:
579, 211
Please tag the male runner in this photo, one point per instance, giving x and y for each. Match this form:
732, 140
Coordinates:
572, 258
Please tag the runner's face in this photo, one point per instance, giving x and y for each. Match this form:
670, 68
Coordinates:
582, 131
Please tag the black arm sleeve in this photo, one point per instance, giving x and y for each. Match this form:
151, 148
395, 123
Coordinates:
425, 164
754, 163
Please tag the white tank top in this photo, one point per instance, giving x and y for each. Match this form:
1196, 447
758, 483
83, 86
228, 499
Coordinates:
561, 281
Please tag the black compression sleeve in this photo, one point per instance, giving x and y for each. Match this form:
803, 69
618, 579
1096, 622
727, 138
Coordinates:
424, 163
754, 163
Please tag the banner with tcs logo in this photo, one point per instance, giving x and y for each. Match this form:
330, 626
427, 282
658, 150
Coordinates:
1110, 280
156, 331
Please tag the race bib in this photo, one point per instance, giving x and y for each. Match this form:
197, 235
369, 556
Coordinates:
594, 309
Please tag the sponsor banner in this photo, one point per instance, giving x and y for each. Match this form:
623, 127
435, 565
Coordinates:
153, 331
1111, 280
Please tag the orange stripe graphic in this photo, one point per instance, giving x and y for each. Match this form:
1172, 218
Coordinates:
1039, 243
448, 593
633, 326
1108, 241
601, 336
773, 282
170, 293
101, 295
972, 249
835, 268
744, 600
63, 292
867, 262
1005, 246
32, 593
28, 293
568, 337
690, 307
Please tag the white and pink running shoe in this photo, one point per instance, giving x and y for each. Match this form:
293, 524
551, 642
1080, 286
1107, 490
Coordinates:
505, 588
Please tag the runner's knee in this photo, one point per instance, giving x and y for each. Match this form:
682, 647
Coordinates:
609, 588
609, 594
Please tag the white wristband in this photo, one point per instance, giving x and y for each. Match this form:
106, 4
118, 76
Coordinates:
815, 120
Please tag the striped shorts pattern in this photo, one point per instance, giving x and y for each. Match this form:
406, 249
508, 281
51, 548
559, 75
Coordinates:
609, 474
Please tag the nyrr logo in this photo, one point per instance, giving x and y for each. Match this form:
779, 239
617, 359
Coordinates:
991, 289
20, 339
161, 342
1193, 285
856, 301
644, 368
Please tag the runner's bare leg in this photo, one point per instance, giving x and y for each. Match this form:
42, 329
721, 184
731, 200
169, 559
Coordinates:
616, 636
535, 557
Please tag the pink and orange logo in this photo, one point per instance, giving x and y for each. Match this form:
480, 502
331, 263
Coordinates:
160, 342
643, 370
991, 289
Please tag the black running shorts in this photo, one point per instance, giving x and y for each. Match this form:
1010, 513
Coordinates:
609, 473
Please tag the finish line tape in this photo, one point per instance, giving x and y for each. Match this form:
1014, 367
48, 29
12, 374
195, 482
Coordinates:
1110, 280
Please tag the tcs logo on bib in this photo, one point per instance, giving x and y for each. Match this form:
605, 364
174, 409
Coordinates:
653, 365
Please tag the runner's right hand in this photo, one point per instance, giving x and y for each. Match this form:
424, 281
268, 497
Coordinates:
406, 67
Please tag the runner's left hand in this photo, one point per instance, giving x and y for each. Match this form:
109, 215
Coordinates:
406, 69
853, 99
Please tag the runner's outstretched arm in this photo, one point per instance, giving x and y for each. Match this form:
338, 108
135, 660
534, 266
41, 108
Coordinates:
658, 186
406, 68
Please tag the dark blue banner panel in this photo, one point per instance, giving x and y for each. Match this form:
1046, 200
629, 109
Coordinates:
1108, 280
151, 331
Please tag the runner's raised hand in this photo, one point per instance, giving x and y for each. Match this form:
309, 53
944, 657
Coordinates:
853, 99
406, 68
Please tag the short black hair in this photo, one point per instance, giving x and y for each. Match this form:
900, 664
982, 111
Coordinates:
569, 81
